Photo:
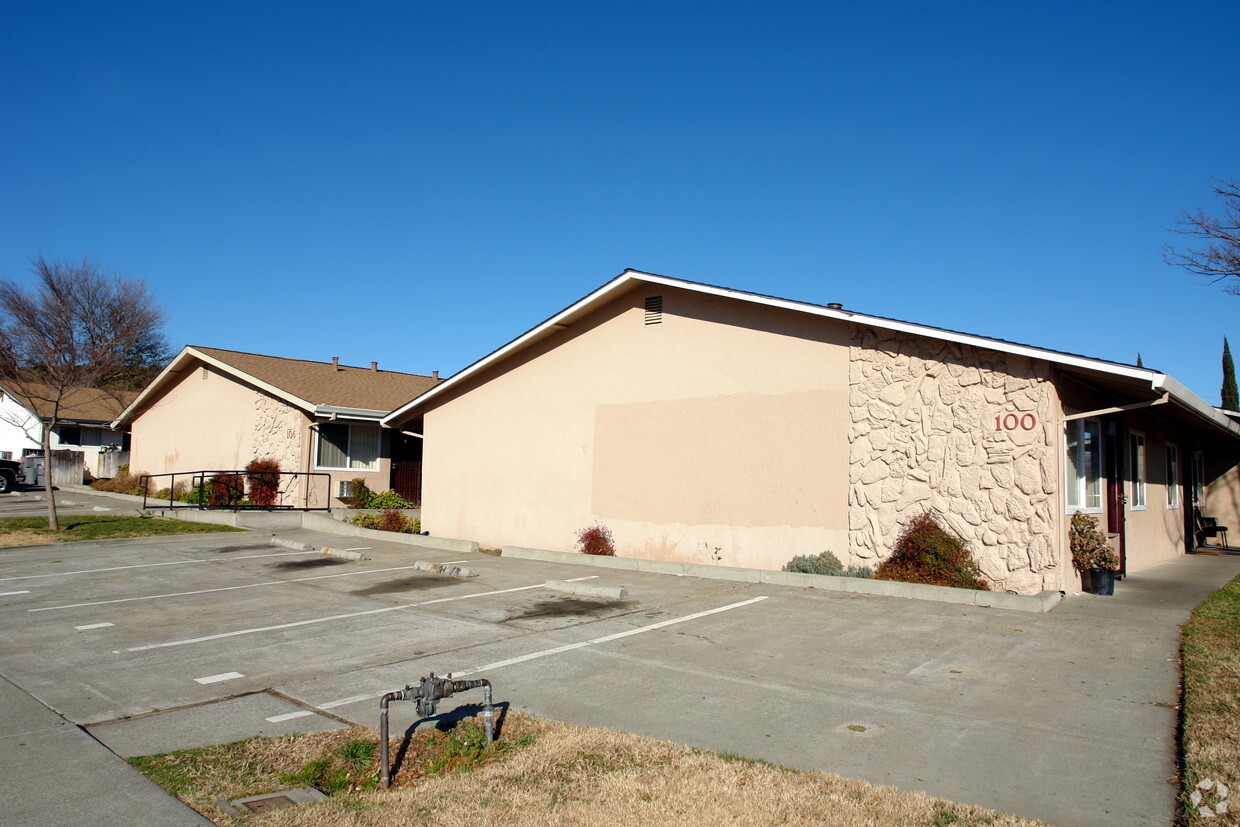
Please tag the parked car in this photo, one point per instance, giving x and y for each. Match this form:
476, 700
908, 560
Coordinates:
11, 475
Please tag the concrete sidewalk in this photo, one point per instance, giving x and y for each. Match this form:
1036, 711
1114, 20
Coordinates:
53, 772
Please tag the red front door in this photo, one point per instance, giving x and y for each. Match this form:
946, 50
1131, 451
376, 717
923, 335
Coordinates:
1117, 500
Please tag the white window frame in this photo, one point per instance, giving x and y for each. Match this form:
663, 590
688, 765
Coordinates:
1138, 456
1173, 475
349, 451
1076, 488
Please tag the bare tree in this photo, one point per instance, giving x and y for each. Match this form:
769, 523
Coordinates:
74, 337
1219, 259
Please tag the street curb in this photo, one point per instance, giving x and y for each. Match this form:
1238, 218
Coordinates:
1043, 602
587, 589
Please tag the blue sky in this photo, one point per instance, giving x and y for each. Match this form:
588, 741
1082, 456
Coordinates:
419, 183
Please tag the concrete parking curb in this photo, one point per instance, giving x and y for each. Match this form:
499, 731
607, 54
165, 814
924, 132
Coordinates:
444, 568
1043, 602
587, 589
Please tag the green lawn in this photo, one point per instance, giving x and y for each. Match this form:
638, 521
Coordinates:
74, 528
1211, 705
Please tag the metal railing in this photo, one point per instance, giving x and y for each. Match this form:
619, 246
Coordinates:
237, 490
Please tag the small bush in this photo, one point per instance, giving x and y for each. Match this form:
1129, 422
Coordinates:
225, 489
1090, 549
928, 553
597, 540
122, 483
828, 564
388, 520
388, 499
360, 495
263, 475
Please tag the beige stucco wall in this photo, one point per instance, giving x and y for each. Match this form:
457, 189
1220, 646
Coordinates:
924, 438
717, 436
213, 422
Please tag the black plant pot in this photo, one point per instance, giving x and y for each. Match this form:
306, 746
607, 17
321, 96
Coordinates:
1103, 581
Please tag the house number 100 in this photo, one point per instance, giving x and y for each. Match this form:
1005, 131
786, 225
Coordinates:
1012, 422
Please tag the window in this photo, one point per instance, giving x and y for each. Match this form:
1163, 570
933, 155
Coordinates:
1173, 476
1083, 481
70, 435
1136, 453
348, 447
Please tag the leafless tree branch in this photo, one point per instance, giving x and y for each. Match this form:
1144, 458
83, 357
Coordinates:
1219, 259
71, 339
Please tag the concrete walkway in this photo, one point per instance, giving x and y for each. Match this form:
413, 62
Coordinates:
53, 772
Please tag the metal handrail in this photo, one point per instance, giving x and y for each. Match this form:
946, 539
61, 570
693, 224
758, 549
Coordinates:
233, 485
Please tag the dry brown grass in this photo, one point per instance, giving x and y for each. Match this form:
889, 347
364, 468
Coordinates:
574, 775
23, 538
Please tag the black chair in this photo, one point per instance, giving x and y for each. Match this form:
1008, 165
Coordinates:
1207, 527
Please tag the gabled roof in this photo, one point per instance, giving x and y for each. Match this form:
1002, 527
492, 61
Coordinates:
81, 406
1151, 381
323, 388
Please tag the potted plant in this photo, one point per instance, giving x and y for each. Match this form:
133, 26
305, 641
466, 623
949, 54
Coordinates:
1091, 552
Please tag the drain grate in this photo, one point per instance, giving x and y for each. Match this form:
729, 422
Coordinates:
269, 803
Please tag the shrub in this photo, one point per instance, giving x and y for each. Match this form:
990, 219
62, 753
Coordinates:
596, 539
828, 564
360, 496
928, 553
225, 489
122, 483
1090, 549
388, 520
388, 499
263, 475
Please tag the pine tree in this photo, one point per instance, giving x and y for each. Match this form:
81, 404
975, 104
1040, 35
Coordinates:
1231, 396
1140, 364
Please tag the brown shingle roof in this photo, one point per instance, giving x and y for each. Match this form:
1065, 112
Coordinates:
85, 405
321, 383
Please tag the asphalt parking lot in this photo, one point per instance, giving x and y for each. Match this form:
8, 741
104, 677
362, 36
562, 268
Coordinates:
168, 643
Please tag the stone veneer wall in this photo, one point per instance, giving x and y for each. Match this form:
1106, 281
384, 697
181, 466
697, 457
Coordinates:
923, 437
278, 430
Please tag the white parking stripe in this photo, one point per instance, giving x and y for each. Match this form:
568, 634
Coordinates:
153, 565
10, 594
500, 664
314, 620
93, 626
226, 676
220, 589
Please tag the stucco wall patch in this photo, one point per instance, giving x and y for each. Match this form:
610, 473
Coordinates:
278, 433
967, 434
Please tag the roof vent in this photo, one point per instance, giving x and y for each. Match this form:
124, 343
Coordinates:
835, 306
654, 310
336, 362
374, 366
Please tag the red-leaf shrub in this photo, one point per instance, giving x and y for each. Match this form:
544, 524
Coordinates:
225, 489
596, 539
928, 553
264, 478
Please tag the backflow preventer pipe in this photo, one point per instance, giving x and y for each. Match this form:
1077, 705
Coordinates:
429, 691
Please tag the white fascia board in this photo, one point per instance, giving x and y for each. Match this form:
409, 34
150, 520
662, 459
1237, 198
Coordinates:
328, 411
188, 353
603, 293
